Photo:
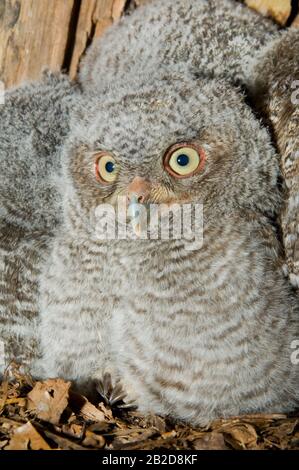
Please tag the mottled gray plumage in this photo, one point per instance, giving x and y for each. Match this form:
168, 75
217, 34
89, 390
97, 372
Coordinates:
193, 334
275, 88
33, 124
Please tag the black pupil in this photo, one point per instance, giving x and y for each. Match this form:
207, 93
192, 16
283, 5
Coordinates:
182, 159
109, 167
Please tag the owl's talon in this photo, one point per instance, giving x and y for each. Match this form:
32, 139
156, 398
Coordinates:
104, 387
118, 394
130, 405
113, 395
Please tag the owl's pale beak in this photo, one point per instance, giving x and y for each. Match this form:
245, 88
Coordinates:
137, 194
139, 189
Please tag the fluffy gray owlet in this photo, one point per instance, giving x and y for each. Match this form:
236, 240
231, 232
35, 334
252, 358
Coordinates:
161, 117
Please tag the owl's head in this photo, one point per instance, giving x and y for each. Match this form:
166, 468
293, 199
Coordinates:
169, 137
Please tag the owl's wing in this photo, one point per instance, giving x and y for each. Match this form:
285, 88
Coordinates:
33, 125
275, 90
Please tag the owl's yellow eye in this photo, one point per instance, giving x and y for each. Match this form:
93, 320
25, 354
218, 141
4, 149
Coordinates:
105, 168
183, 160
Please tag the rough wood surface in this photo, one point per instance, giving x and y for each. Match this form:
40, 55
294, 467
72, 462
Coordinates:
296, 22
38, 34
279, 10
94, 17
33, 35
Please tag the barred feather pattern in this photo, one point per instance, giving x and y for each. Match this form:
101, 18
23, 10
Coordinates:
186, 32
201, 340
20, 259
33, 124
275, 86
192, 334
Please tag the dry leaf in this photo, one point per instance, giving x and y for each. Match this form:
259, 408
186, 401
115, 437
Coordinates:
100, 427
3, 444
241, 436
90, 412
157, 422
125, 439
169, 434
49, 399
4, 390
17, 372
107, 412
81, 405
279, 435
63, 442
210, 441
93, 440
16, 401
294, 442
26, 437
89, 427
131, 430
73, 430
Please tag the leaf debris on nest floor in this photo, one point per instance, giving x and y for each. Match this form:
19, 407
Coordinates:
49, 415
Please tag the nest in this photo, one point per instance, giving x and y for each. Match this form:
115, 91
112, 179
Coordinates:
49, 415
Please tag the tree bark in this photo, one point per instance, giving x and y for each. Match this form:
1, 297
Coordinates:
296, 22
94, 18
38, 34
33, 35
279, 10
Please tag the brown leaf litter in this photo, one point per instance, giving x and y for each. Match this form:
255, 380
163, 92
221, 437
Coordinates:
48, 415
